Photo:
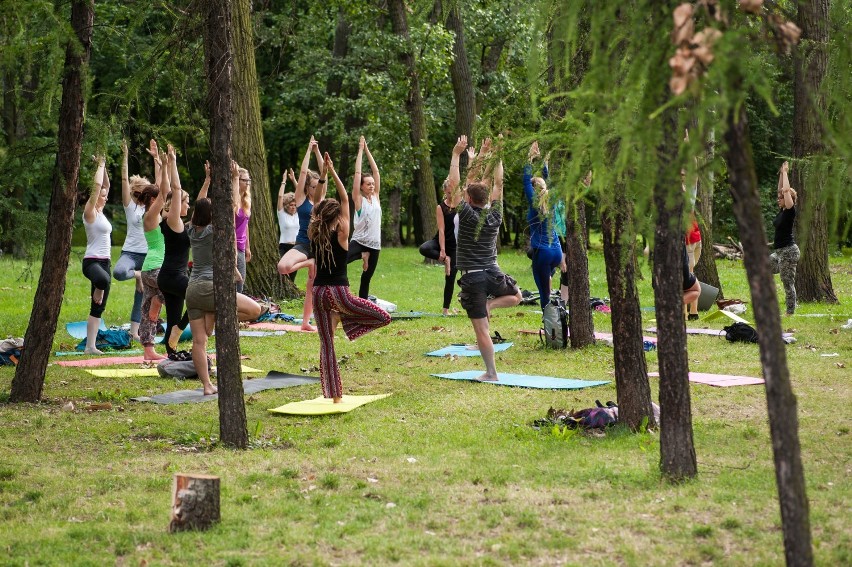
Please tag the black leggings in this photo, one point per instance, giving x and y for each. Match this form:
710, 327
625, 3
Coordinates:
99, 272
432, 249
173, 286
283, 248
355, 249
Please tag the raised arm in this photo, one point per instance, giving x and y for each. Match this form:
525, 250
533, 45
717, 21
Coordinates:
303, 174
317, 154
454, 177
174, 177
154, 151
786, 190
152, 212
281, 190
322, 186
532, 155
343, 198
125, 175
356, 181
235, 185
373, 168
165, 183
205, 187
477, 167
497, 190
173, 219
90, 210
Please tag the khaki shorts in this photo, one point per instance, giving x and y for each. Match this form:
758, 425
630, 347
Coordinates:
199, 299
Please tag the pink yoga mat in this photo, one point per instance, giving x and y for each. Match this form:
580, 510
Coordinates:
278, 327
111, 361
719, 380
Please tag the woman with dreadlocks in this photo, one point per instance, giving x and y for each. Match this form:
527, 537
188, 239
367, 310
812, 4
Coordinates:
333, 303
546, 249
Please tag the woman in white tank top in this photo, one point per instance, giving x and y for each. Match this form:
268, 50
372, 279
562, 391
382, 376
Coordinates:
96, 260
367, 236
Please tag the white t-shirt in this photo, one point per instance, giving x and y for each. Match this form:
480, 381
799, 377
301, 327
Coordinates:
135, 241
289, 226
97, 238
368, 224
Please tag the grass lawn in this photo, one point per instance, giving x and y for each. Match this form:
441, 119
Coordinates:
441, 472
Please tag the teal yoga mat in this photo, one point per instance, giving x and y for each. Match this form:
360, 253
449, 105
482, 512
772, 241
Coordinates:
524, 381
463, 350
77, 329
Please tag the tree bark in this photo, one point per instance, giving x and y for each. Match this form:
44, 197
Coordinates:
490, 61
780, 400
219, 69
250, 152
392, 230
677, 447
705, 268
631, 372
463, 93
28, 382
580, 320
423, 176
813, 279
195, 502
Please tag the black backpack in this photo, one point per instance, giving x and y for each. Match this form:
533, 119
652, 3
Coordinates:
741, 333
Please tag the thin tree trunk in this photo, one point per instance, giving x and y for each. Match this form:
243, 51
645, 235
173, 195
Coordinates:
28, 382
391, 230
813, 279
463, 94
425, 181
580, 319
490, 61
705, 268
250, 152
218, 58
677, 446
780, 400
631, 372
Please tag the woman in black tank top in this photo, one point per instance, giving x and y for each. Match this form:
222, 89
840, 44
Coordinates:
333, 303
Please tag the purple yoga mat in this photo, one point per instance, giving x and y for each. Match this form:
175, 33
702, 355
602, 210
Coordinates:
719, 380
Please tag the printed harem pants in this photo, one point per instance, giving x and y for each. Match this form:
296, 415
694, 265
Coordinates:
148, 326
358, 316
784, 261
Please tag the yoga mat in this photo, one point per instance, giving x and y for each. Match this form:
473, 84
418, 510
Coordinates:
524, 381
598, 336
122, 372
274, 380
462, 350
77, 329
93, 362
710, 332
326, 406
244, 333
722, 313
719, 380
112, 353
708, 296
278, 327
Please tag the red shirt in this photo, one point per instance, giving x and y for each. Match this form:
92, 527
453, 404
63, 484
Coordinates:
693, 235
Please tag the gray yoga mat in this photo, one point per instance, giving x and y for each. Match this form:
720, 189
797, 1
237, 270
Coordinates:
273, 380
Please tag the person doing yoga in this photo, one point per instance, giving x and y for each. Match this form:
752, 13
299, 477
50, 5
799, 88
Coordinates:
443, 247
544, 242
288, 219
367, 237
96, 260
483, 285
785, 258
309, 192
333, 302
242, 216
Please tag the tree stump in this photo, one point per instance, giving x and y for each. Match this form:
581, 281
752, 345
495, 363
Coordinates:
195, 502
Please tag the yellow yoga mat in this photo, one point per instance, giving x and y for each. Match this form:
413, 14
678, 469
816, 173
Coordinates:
121, 372
325, 406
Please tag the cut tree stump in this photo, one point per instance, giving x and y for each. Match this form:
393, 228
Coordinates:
195, 502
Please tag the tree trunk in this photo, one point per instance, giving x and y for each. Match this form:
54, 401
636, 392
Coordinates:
580, 319
425, 180
29, 375
705, 268
195, 502
490, 61
813, 279
780, 400
217, 51
391, 230
631, 372
463, 93
262, 278
677, 447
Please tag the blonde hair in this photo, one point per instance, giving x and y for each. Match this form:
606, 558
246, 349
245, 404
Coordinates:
245, 198
288, 198
320, 233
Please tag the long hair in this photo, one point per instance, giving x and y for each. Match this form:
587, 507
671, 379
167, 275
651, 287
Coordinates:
146, 194
202, 215
320, 231
245, 198
168, 202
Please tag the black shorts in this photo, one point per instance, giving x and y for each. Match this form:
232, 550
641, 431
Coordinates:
304, 248
477, 287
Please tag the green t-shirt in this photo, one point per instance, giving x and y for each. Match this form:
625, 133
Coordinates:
156, 250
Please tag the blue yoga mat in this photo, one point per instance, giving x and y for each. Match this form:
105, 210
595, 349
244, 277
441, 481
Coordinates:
523, 381
77, 329
462, 350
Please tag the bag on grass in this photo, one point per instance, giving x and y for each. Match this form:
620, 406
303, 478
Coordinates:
111, 339
741, 333
180, 368
554, 323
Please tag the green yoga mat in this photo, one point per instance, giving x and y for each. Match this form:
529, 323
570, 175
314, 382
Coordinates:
325, 406
122, 372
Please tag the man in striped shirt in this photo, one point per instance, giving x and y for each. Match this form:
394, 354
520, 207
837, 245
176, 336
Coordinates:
483, 285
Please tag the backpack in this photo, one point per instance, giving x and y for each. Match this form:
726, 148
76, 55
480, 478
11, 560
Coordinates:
168, 368
110, 339
554, 321
741, 333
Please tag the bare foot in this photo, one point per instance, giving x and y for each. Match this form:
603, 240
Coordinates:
137, 275
151, 355
174, 337
337, 400
135, 337
92, 350
211, 390
488, 378
365, 259
98, 296
308, 327
154, 312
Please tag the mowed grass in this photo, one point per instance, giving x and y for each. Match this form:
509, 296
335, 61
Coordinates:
441, 472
